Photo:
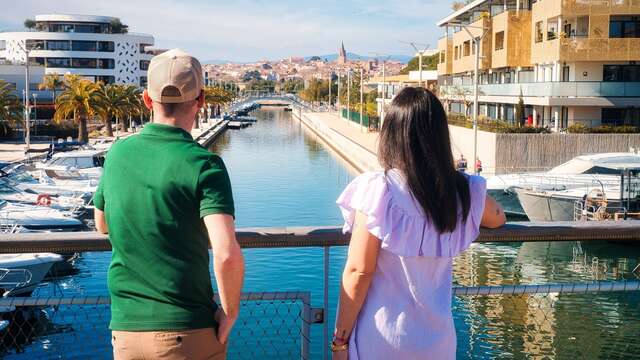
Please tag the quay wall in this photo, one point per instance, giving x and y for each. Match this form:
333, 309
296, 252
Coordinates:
358, 156
508, 153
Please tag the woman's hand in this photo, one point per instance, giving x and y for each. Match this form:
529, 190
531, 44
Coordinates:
340, 355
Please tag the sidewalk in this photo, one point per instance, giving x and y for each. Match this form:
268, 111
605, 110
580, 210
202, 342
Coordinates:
351, 130
12, 152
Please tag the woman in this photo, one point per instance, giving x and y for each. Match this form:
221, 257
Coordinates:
407, 224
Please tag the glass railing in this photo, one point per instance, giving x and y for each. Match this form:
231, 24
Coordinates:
556, 89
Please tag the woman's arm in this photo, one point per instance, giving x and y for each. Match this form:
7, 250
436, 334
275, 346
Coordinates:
357, 275
493, 215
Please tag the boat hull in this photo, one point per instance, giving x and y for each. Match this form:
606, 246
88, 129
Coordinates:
509, 201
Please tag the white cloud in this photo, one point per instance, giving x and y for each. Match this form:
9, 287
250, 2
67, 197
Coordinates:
252, 29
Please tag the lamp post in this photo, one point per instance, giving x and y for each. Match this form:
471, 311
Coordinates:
349, 95
361, 96
35, 111
338, 97
420, 54
476, 44
330, 81
27, 108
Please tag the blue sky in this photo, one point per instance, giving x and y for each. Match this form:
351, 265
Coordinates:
247, 30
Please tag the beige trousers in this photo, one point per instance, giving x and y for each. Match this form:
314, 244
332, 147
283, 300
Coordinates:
174, 345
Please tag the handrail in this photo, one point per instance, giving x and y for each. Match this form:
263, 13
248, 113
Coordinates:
328, 236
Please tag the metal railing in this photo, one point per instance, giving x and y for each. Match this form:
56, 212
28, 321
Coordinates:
268, 318
553, 89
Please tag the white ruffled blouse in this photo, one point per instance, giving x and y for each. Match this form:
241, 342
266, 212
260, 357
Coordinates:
407, 312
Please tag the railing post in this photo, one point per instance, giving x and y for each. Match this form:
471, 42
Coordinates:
325, 305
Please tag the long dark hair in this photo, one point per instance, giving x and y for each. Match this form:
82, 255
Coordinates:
415, 140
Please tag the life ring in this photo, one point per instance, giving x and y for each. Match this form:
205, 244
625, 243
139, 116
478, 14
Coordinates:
44, 200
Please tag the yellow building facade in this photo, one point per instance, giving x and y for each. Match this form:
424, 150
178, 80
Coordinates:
570, 61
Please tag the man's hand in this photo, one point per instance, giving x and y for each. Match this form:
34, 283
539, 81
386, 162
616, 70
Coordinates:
340, 355
225, 324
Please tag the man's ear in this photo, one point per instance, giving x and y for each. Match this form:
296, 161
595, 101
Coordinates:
147, 100
201, 99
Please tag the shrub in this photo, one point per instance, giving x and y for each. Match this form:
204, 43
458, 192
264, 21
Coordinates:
603, 129
508, 128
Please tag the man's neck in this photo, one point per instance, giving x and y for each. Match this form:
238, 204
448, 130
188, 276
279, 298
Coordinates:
179, 123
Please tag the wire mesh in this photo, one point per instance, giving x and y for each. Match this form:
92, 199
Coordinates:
574, 321
271, 326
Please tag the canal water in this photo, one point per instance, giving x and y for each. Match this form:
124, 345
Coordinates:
284, 176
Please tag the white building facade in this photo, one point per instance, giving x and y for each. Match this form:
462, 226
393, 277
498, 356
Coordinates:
81, 44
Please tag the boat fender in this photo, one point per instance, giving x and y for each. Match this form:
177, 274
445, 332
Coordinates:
44, 200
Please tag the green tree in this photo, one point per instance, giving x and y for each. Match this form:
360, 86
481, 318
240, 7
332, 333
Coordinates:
29, 23
11, 110
81, 100
428, 63
117, 27
51, 82
216, 97
261, 85
119, 102
520, 111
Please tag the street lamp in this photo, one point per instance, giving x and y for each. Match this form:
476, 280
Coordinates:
27, 115
476, 45
384, 88
420, 55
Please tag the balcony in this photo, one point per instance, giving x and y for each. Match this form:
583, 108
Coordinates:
466, 53
601, 7
554, 89
511, 34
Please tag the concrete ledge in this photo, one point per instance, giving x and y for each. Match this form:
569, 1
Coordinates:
355, 154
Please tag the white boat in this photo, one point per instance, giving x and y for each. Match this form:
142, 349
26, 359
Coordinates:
15, 195
581, 171
560, 205
20, 274
21, 178
74, 165
31, 217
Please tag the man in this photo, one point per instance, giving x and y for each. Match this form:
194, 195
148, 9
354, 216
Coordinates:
461, 164
162, 199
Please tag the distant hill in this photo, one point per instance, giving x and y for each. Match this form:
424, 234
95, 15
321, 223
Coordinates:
352, 56
330, 57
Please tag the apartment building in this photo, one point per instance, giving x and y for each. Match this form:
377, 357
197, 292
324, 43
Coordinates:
570, 61
81, 44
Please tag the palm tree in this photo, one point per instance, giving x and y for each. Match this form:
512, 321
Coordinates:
115, 104
217, 97
51, 82
133, 96
82, 99
11, 111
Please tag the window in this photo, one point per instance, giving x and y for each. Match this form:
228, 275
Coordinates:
106, 46
624, 26
37, 60
621, 116
499, 40
142, 48
106, 63
61, 27
59, 62
106, 79
492, 111
3, 44
143, 81
442, 57
88, 28
539, 31
467, 48
621, 73
144, 65
83, 46
84, 63
58, 45
456, 53
35, 44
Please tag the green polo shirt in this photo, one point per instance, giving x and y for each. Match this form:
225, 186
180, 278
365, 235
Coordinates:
156, 188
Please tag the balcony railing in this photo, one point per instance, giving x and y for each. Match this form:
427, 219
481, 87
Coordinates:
278, 324
552, 89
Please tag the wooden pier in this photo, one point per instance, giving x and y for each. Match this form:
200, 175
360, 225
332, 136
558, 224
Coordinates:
210, 134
